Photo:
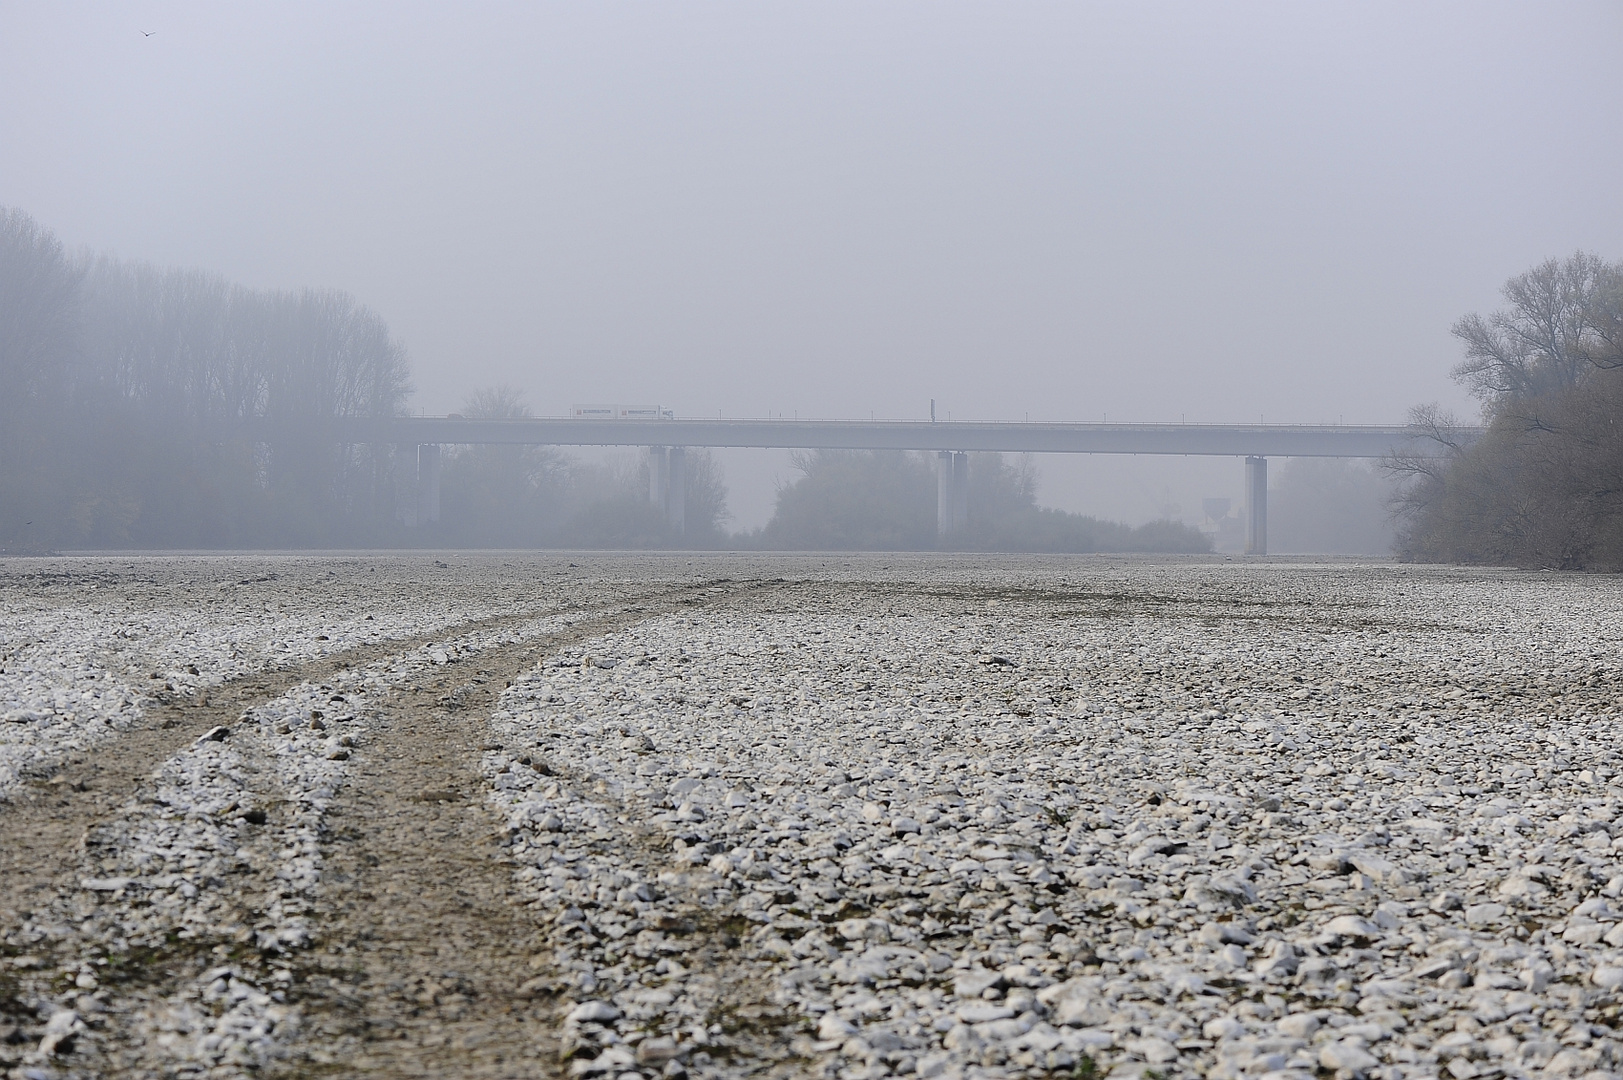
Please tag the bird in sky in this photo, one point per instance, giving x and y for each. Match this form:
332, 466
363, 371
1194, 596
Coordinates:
148, 33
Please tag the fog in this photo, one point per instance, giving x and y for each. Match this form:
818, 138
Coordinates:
1146, 212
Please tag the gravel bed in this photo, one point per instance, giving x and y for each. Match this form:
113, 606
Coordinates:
1196, 820
875, 816
211, 871
86, 645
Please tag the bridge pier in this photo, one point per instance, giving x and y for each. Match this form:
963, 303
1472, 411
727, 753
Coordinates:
405, 484
417, 483
667, 484
952, 493
659, 476
1256, 506
428, 483
676, 495
960, 491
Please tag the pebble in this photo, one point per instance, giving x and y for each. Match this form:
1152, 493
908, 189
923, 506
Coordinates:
156, 872
992, 817
1208, 821
79, 664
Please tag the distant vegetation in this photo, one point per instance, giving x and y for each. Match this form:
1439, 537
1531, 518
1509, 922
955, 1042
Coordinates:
1330, 506
877, 500
1544, 486
537, 496
126, 392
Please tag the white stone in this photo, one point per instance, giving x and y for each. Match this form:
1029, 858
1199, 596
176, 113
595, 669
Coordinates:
593, 1012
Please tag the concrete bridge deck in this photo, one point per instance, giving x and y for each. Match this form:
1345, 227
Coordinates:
1222, 440
418, 440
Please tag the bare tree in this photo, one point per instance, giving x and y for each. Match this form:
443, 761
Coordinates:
1564, 320
1543, 486
39, 302
40, 297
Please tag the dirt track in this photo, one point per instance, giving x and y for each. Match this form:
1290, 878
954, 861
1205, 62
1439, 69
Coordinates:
423, 942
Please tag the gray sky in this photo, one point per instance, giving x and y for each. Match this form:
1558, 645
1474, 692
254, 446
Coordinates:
1146, 211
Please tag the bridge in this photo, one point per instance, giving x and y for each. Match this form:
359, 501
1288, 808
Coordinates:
418, 439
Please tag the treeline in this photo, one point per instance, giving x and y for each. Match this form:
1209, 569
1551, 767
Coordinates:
877, 500
1543, 486
143, 407
126, 392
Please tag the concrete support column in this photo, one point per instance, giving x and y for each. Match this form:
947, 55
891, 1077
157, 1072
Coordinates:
676, 497
960, 491
943, 494
659, 477
1256, 506
428, 483
405, 484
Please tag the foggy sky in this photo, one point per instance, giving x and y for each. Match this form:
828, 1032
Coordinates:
1146, 211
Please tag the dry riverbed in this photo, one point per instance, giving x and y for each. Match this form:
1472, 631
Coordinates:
721, 816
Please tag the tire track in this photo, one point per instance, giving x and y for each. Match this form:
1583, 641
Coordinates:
54, 837
43, 821
427, 951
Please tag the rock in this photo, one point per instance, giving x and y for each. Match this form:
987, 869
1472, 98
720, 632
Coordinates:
1154, 845
657, 1051
61, 1032
1350, 928
1607, 976
981, 1014
1434, 968
863, 930
593, 1012
1281, 961
832, 1027
111, 884
539, 986
974, 982
1348, 1056
1220, 891
1299, 1025
1225, 933
1155, 1050
1377, 868
612, 1059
